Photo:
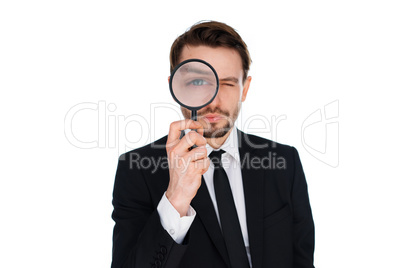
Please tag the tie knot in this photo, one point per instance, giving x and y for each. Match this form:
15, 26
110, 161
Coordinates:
216, 157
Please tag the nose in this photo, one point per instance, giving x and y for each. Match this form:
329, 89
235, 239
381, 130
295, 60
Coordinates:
216, 101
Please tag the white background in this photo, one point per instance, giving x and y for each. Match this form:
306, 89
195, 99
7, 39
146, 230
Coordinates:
55, 196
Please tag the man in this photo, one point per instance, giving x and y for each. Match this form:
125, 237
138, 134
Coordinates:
249, 207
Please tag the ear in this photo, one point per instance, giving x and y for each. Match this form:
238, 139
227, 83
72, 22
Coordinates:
245, 88
169, 79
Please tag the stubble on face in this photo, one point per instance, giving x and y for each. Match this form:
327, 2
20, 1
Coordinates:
218, 117
215, 130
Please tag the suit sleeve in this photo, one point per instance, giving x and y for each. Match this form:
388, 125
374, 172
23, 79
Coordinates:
303, 225
139, 240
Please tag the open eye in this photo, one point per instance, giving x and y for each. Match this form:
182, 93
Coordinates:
198, 82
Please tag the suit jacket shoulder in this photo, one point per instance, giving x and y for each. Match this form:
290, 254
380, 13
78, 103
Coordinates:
155, 148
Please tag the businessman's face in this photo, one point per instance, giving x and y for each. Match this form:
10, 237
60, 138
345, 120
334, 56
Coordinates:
220, 115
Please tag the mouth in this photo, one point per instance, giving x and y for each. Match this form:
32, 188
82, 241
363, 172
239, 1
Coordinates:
213, 118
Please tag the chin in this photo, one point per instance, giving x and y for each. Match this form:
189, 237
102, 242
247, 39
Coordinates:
217, 132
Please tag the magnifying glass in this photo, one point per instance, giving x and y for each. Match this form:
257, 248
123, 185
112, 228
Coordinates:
194, 84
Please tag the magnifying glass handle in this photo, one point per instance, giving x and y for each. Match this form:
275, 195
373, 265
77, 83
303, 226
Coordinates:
193, 117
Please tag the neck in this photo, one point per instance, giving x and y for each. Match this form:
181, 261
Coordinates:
218, 142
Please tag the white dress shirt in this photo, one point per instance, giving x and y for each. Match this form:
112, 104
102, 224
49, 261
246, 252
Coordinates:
178, 226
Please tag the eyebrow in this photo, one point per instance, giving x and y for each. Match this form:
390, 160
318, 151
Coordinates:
190, 69
229, 79
195, 70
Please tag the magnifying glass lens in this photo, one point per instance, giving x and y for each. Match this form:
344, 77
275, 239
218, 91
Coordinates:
194, 84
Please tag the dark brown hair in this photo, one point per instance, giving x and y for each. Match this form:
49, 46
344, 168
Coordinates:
213, 34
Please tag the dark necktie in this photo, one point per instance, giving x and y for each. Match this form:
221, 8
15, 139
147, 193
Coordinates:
228, 215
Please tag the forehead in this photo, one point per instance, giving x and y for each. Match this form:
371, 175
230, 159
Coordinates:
226, 61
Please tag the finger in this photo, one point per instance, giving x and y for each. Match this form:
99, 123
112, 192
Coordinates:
176, 128
202, 165
196, 154
190, 139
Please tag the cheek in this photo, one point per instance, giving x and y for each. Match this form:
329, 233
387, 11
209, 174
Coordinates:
186, 113
231, 95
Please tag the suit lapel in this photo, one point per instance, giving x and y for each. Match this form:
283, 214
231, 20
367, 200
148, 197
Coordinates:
253, 195
202, 204
253, 182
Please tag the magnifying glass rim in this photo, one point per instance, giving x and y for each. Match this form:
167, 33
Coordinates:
171, 81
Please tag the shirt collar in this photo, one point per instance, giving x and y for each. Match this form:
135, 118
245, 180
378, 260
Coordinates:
230, 146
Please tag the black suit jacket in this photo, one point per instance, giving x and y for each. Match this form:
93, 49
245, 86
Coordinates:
279, 219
